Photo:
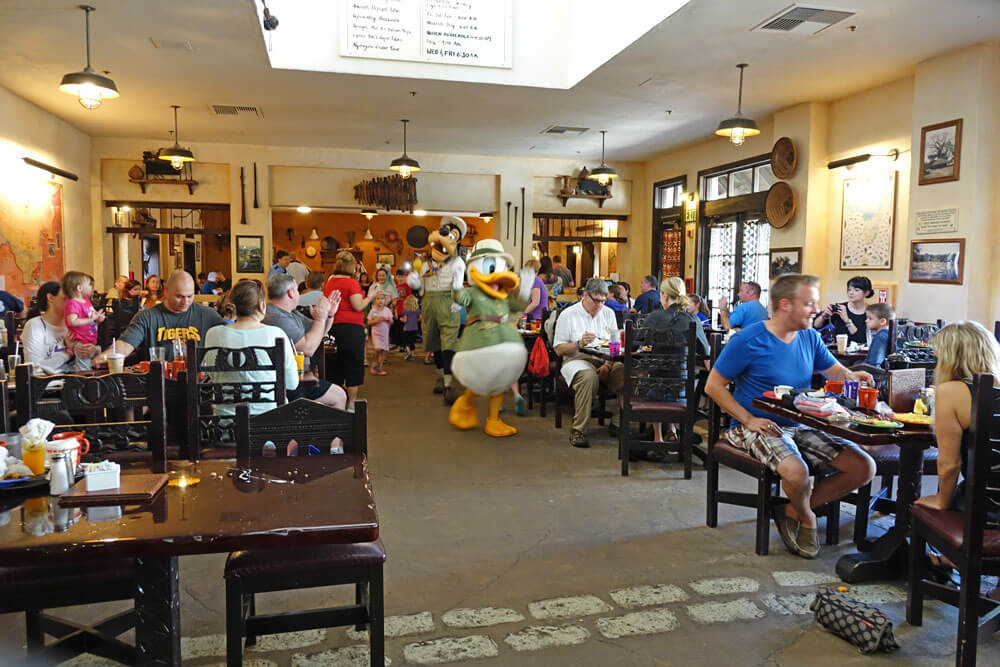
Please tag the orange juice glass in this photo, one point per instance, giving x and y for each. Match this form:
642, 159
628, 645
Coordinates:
34, 458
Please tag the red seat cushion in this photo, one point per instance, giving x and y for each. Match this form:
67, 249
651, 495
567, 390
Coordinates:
950, 525
265, 562
22, 583
725, 453
887, 459
673, 407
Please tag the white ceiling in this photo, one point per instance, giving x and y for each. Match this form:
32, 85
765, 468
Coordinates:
691, 54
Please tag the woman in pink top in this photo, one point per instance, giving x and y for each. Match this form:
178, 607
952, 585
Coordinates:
379, 319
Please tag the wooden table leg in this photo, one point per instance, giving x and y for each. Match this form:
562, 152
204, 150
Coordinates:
158, 612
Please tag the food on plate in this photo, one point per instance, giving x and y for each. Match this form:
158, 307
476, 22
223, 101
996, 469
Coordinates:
877, 422
913, 418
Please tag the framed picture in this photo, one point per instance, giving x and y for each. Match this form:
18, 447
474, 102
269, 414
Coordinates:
785, 260
250, 254
867, 219
937, 261
386, 259
940, 152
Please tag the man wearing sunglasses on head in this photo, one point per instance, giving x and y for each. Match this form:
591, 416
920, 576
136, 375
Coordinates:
586, 323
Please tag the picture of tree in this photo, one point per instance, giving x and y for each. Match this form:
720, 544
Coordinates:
940, 152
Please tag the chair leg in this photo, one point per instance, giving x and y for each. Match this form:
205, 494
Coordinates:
915, 587
624, 446
687, 444
33, 630
968, 613
362, 596
861, 513
376, 619
712, 487
601, 405
833, 523
764, 500
252, 611
235, 625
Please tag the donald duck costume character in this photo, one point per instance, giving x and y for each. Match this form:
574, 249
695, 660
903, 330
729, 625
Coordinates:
490, 355
439, 278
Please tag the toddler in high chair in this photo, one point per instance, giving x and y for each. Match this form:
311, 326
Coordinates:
877, 318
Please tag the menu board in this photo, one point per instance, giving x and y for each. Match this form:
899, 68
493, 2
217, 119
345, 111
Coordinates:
476, 33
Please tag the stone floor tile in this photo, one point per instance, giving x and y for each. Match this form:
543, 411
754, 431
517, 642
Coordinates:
646, 622
480, 618
648, 596
804, 578
200, 647
449, 649
724, 612
795, 604
568, 607
288, 640
349, 656
399, 626
535, 637
725, 585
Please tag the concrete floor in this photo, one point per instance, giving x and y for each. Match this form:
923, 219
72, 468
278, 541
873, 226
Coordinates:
471, 522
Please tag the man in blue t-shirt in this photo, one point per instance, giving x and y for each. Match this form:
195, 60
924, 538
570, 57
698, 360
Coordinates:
649, 300
787, 350
750, 311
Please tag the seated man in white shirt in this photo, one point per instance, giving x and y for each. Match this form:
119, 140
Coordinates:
586, 322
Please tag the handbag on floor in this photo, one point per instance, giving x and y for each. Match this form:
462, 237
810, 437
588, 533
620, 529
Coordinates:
861, 624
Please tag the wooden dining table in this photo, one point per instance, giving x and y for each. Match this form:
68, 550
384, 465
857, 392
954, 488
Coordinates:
885, 557
217, 508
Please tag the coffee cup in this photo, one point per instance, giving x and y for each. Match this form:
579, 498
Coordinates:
841, 343
781, 390
116, 362
834, 387
867, 397
73, 442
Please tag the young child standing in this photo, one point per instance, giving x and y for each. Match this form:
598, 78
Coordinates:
877, 317
379, 319
81, 318
411, 324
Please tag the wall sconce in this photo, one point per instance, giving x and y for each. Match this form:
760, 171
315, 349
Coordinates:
486, 216
577, 249
864, 157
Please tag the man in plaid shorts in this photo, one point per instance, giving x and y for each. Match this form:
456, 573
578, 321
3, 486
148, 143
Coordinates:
787, 350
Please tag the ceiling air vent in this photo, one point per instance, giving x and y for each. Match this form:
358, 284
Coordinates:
236, 110
564, 131
798, 20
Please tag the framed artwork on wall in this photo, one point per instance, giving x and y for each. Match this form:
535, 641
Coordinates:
785, 260
250, 254
386, 259
940, 152
867, 220
937, 261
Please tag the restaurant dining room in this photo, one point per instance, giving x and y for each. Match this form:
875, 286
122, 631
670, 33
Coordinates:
695, 352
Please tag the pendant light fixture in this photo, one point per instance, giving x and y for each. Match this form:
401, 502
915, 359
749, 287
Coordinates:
176, 155
89, 87
369, 213
738, 128
603, 174
404, 164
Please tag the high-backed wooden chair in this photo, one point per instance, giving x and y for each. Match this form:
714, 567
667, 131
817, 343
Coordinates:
11, 333
969, 539
205, 391
108, 401
247, 573
768, 492
32, 589
659, 387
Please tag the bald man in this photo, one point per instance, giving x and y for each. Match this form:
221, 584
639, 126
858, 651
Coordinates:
176, 317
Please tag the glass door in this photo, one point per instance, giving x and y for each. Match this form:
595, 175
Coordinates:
737, 252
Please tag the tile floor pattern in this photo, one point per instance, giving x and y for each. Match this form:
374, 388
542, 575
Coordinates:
428, 638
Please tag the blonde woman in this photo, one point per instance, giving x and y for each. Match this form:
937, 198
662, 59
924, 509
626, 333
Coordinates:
963, 349
675, 317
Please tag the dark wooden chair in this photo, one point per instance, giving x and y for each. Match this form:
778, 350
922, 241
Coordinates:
33, 589
107, 401
659, 387
206, 389
970, 539
768, 492
258, 571
11, 333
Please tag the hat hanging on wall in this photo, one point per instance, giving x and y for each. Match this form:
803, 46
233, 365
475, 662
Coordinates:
784, 158
779, 206
329, 243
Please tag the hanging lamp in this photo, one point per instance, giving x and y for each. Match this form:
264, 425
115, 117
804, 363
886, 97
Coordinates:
603, 174
369, 213
176, 155
89, 87
738, 128
404, 164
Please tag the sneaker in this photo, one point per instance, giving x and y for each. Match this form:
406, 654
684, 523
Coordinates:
409, 356
374, 372
521, 408
578, 439
808, 542
381, 372
788, 529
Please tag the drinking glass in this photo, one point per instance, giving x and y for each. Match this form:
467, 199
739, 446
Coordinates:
12, 361
157, 353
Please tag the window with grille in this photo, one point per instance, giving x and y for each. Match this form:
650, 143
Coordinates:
738, 250
668, 195
737, 181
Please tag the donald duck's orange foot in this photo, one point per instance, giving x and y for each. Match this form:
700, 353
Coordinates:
463, 414
498, 429
494, 426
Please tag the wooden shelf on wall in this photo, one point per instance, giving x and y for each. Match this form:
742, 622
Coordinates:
143, 182
598, 198
168, 230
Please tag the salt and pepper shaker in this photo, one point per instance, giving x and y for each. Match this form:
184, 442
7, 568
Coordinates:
59, 476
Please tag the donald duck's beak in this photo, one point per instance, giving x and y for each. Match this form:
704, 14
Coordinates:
496, 285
